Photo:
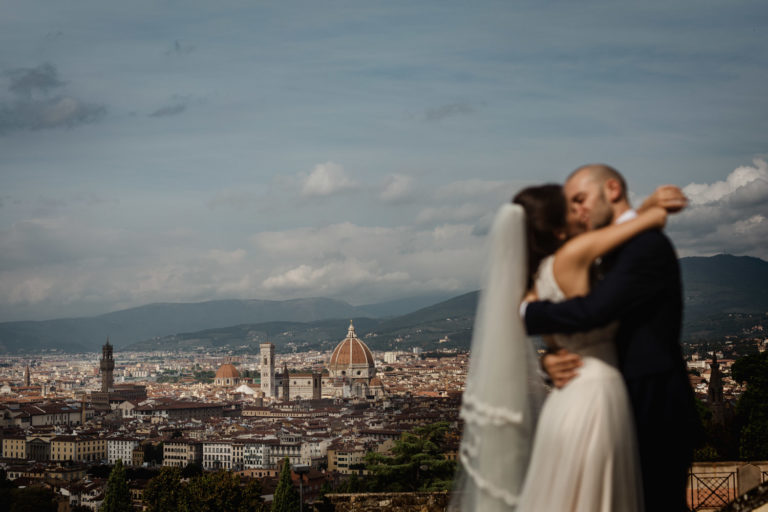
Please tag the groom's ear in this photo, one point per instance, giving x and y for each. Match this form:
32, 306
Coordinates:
613, 190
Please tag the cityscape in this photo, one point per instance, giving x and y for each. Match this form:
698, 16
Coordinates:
67, 416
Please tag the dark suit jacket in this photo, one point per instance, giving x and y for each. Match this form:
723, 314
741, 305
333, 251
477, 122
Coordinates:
642, 290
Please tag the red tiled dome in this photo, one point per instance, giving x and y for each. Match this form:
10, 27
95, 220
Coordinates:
351, 352
227, 371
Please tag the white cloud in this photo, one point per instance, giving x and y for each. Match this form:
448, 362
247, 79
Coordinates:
397, 187
333, 277
364, 264
326, 179
738, 179
725, 216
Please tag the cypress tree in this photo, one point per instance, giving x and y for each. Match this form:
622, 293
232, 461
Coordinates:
117, 497
286, 497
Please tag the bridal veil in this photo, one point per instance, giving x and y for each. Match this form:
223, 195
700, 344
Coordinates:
503, 391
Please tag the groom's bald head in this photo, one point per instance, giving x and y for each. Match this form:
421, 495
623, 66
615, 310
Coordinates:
601, 173
596, 194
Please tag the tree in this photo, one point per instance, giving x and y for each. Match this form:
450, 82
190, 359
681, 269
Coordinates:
192, 470
252, 501
323, 503
31, 499
286, 497
418, 462
153, 453
222, 491
752, 408
164, 492
352, 484
118, 496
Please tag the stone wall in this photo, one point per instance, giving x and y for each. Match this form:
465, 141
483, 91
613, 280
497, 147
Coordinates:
711, 486
391, 502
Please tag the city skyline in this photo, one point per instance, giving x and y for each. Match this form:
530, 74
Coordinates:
190, 152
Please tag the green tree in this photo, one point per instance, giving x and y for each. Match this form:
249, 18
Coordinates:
118, 496
153, 453
351, 484
165, 491
192, 470
323, 503
252, 501
286, 497
31, 499
417, 463
221, 491
752, 408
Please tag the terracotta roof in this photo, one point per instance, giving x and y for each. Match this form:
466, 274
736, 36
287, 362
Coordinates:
227, 371
351, 351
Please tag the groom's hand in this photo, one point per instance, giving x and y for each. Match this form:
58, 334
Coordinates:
669, 197
561, 366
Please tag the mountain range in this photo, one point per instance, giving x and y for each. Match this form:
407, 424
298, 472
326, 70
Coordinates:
719, 291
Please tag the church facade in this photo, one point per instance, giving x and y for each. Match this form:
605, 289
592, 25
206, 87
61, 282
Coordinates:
285, 385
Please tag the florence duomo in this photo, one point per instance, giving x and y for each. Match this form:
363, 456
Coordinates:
351, 373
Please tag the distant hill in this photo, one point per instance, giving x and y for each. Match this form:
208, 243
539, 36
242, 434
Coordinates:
725, 284
723, 294
287, 336
715, 288
449, 320
144, 322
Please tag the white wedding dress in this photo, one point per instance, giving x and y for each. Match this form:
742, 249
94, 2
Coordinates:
584, 454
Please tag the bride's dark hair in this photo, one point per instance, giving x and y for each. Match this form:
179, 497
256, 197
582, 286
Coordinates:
545, 211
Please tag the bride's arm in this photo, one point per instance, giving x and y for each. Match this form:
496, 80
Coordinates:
573, 259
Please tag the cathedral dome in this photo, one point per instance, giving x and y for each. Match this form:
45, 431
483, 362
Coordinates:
227, 371
352, 357
227, 374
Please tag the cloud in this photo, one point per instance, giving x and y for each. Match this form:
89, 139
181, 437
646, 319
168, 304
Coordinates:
24, 81
449, 110
466, 201
333, 277
28, 111
326, 179
169, 110
62, 266
397, 188
725, 216
736, 180
63, 111
363, 264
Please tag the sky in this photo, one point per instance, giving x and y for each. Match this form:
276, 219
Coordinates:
189, 151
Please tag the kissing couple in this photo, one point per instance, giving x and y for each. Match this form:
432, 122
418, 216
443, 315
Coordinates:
600, 282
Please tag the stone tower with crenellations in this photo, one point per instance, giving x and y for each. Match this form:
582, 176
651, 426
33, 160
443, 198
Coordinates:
107, 366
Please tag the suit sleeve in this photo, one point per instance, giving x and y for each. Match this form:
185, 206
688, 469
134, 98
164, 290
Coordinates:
637, 277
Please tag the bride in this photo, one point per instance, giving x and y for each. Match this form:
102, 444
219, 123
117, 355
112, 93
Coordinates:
577, 452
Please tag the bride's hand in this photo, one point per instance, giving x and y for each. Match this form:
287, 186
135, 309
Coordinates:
531, 296
669, 197
561, 366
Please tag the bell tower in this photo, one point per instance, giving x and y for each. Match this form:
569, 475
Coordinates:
107, 365
268, 370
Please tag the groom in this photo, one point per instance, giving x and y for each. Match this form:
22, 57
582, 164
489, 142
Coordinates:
640, 288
